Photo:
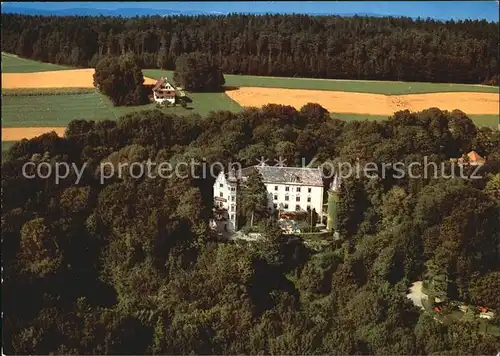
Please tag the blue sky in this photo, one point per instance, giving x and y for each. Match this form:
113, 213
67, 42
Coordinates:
488, 10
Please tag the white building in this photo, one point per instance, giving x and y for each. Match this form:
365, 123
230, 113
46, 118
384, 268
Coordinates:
225, 188
290, 189
163, 92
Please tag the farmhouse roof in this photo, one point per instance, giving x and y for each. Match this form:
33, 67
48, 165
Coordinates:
474, 157
159, 83
287, 175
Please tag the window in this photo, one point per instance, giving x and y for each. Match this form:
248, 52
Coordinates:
297, 207
309, 190
287, 189
286, 206
232, 207
308, 207
221, 185
275, 187
297, 198
233, 189
286, 198
275, 206
232, 198
298, 189
275, 197
232, 216
308, 199
221, 195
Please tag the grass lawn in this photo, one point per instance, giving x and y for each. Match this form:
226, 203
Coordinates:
6, 145
45, 91
14, 64
492, 121
60, 109
361, 86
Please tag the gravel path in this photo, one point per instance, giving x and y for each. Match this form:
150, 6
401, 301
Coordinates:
416, 295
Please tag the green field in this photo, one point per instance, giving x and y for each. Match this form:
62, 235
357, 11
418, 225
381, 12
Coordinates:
361, 86
60, 109
14, 64
6, 145
45, 91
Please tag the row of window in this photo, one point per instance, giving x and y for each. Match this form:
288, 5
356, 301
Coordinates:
287, 198
233, 198
233, 189
287, 189
285, 206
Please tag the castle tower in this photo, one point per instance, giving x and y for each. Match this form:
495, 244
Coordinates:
333, 202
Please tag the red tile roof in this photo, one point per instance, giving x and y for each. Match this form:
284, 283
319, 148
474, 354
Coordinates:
474, 157
158, 84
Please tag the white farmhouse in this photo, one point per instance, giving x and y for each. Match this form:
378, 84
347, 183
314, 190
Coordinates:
290, 190
163, 92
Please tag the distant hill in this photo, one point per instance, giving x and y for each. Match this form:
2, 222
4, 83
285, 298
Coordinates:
131, 12
124, 12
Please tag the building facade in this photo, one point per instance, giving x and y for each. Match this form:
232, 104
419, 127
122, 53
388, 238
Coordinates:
225, 189
164, 92
289, 189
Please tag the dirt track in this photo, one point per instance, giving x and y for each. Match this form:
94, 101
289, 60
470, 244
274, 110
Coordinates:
18, 133
363, 103
75, 78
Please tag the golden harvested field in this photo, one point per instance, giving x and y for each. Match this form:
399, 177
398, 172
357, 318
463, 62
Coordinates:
18, 133
74, 78
364, 103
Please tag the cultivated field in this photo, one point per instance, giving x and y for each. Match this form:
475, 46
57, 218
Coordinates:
370, 104
358, 86
73, 78
60, 109
348, 99
14, 64
18, 133
40, 97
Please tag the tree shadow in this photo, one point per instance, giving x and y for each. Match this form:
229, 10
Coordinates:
229, 88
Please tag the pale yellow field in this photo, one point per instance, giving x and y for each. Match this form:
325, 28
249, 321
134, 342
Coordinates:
18, 133
363, 103
74, 78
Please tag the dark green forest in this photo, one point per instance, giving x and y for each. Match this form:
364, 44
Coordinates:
275, 45
131, 267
